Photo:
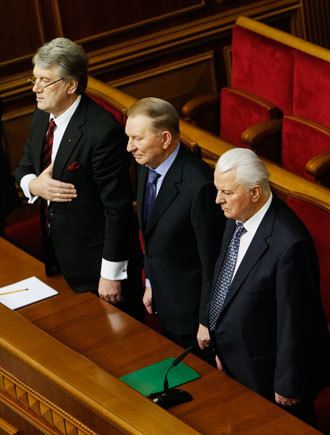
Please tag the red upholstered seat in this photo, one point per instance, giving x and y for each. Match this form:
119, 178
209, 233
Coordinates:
240, 110
23, 230
263, 67
306, 134
311, 97
302, 139
261, 84
317, 221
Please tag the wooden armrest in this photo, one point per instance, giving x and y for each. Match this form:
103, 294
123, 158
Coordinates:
194, 106
319, 167
256, 133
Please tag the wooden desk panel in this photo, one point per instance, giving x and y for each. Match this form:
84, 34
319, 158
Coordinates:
119, 344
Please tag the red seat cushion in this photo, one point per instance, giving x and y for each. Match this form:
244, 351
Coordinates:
23, 230
263, 67
240, 110
302, 140
311, 98
317, 222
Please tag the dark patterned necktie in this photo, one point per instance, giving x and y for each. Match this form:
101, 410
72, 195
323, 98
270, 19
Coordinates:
150, 195
225, 276
48, 145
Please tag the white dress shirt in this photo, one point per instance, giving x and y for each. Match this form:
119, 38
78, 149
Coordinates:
251, 226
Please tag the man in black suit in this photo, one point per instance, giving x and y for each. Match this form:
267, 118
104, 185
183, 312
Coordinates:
83, 182
182, 231
265, 315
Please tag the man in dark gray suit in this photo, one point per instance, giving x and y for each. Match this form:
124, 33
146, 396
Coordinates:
180, 224
79, 168
265, 314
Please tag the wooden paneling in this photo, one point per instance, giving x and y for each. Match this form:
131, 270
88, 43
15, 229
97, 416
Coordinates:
99, 18
178, 80
174, 49
317, 13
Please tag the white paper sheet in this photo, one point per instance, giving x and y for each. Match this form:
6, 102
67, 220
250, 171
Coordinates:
25, 292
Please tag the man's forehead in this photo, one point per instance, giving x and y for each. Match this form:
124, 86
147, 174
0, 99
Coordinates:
45, 72
139, 123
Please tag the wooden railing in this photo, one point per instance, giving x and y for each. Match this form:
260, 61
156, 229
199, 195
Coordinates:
211, 146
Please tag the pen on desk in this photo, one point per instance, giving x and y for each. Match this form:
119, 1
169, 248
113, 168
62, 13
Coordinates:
14, 291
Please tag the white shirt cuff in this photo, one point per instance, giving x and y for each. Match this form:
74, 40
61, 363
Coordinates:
114, 270
147, 283
25, 187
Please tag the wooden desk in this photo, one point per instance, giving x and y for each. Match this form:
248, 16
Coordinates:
66, 352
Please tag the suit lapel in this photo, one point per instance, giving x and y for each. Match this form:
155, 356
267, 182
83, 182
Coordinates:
70, 139
168, 190
255, 251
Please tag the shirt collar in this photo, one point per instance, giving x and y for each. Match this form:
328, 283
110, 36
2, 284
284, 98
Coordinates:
65, 117
166, 164
253, 223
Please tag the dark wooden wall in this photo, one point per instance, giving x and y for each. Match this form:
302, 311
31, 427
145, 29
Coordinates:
173, 49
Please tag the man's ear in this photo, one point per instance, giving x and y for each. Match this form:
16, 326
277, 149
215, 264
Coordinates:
73, 85
256, 193
167, 139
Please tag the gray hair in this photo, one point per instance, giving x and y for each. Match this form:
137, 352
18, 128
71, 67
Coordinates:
69, 57
163, 114
250, 170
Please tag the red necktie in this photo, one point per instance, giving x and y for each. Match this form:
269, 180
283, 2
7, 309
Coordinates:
48, 145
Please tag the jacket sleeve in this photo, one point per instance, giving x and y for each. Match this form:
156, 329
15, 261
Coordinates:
110, 167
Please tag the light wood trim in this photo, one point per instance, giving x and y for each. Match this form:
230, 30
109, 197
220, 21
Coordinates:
100, 392
254, 134
283, 38
7, 428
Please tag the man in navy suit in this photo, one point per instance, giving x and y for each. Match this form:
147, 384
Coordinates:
182, 229
268, 326
85, 186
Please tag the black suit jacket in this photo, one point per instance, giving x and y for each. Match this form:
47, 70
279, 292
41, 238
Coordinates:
182, 241
271, 334
97, 223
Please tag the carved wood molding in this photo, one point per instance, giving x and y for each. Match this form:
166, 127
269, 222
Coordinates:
195, 31
157, 43
37, 410
173, 66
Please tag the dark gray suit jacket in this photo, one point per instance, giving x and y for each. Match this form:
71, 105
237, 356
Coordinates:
182, 241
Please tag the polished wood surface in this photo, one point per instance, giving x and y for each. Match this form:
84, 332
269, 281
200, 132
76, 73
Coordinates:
118, 344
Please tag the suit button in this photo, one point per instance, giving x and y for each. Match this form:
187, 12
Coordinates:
149, 255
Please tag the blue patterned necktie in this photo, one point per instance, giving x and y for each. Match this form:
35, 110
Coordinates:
150, 195
225, 276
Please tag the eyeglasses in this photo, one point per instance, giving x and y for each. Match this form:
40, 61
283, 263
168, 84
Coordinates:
42, 82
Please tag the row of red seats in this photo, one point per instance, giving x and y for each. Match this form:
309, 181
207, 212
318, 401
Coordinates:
276, 76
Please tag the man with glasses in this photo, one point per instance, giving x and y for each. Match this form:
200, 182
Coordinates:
76, 162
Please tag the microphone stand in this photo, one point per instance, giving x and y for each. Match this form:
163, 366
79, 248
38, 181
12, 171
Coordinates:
172, 396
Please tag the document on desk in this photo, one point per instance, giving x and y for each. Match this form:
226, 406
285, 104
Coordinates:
25, 292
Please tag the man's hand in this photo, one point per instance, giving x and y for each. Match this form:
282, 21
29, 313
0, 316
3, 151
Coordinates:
52, 190
110, 290
147, 299
203, 336
285, 401
218, 363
